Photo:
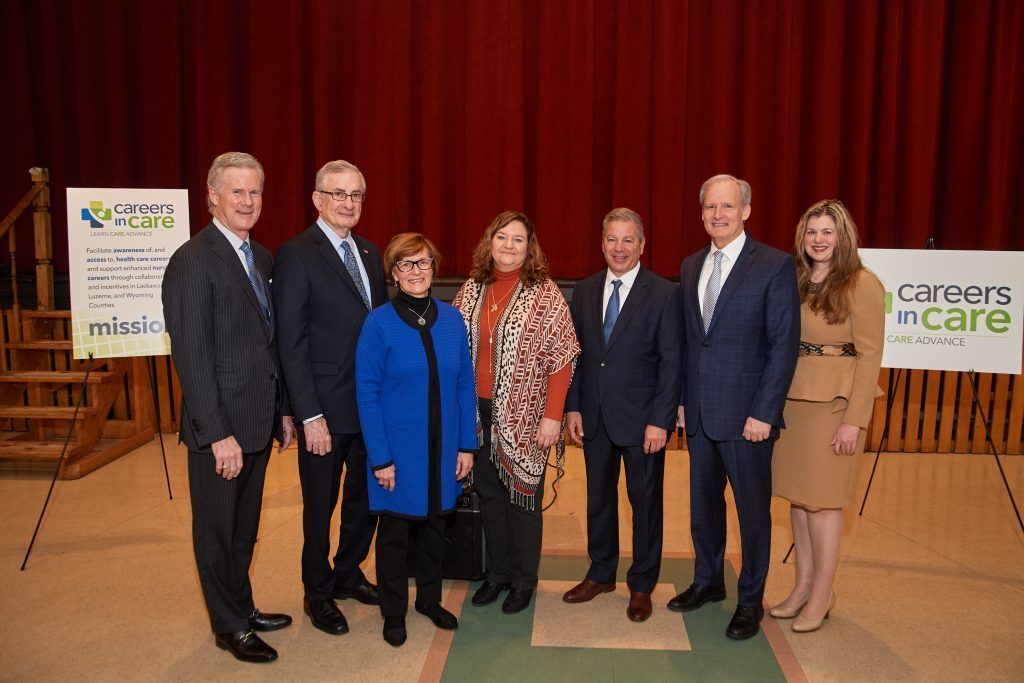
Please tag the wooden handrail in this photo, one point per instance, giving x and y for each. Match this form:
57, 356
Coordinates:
19, 209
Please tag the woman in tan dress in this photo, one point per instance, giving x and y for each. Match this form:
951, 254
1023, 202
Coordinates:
842, 324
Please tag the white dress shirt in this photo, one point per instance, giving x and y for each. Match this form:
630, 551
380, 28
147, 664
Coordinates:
729, 256
628, 278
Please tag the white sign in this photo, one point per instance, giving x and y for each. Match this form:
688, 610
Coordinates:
951, 310
119, 242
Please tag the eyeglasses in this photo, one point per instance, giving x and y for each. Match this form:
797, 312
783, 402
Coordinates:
341, 195
422, 264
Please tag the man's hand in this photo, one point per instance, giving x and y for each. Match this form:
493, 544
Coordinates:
547, 432
227, 456
755, 430
318, 437
287, 432
681, 418
654, 439
386, 478
463, 465
574, 425
845, 440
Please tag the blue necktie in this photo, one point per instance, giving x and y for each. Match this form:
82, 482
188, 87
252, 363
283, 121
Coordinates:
611, 314
711, 293
353, 269
256, 280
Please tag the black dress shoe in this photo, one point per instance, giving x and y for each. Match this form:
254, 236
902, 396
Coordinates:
365, 593
441, 617
517, 600
745, 622
695, 596
394, 631
246, 646
326, 616
258, 621
488, 593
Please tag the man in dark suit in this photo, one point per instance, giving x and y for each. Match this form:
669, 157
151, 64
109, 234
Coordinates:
741, 319
219, 314
621, 404
326, 280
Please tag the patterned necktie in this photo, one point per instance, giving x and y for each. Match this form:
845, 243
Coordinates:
256, 280
611, 314
353, 269
711, 293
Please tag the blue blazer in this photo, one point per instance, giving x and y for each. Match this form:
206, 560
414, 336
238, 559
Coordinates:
632, 380
743, 366
392, 379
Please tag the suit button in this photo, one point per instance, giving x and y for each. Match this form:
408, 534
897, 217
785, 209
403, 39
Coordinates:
603, 364
707, 344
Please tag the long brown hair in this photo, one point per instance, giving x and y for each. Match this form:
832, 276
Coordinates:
535, 268
833, 299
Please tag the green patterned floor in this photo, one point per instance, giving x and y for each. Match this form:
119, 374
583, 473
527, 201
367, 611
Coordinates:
490, 645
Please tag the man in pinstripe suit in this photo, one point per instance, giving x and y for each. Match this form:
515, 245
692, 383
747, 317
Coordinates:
219, 314
741, 319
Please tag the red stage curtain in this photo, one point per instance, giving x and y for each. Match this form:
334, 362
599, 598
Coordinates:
910, 111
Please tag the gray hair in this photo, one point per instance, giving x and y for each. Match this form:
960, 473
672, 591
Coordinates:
626, 216
228, 160
337, 166
723, 177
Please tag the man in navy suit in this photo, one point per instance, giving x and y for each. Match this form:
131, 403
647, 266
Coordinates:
621, 404
221, 321
741, 320
326, 279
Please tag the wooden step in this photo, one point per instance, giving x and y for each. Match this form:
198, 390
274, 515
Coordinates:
55, 377
38, 450
42, 345
32, 313
46, 412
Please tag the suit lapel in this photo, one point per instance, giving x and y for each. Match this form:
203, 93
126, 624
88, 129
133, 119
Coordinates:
223, 249
333, 258
363, 254
739, 269
597, 314
691, 288
633, 302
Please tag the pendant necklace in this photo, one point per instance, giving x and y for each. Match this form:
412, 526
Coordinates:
420, 317
494, 304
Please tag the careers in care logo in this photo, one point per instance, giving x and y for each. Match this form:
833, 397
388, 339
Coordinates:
95, 213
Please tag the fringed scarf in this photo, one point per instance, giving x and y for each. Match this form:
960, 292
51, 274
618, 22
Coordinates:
533, 339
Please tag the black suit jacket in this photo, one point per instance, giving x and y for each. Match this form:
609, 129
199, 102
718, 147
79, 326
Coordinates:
743, 365
320, 315
633, 380
223, 349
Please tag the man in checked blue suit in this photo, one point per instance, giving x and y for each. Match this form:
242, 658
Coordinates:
741, 319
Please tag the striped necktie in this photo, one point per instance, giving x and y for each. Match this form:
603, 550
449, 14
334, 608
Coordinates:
711, 293
256, 280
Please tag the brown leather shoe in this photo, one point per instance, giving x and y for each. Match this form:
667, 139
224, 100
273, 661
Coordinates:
639, 606
587, 590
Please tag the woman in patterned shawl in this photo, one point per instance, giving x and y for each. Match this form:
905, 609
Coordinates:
524, 347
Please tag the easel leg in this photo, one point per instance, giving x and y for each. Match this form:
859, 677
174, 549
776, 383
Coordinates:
159, 428
995, 453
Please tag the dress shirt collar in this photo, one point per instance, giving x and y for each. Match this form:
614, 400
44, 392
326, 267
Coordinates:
334, 238
236, 242
628, 278
731, 250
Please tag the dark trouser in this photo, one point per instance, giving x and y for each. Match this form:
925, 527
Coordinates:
393, 537
748, 467
320, 478
225, 520
512, 535
644, 485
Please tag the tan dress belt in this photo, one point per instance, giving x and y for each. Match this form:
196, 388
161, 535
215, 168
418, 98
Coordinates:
834, 350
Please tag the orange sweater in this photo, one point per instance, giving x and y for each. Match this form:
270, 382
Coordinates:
499, 293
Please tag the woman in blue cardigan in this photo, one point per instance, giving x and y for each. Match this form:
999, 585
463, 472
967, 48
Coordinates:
416, 394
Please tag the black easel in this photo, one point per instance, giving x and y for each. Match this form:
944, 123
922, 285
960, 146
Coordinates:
159, 430
60, 461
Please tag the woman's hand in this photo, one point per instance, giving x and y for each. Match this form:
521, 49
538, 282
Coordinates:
463, 465
845, 440
547, 432
386, 478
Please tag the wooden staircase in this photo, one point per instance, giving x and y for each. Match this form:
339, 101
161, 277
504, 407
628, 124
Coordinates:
40, 383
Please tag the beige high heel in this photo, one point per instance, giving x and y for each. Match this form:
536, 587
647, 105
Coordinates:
801, 625
780, 612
